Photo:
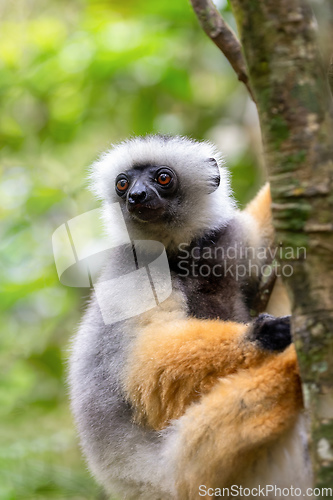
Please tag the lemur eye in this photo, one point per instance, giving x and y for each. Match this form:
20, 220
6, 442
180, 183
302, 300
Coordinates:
122, 185
164, 179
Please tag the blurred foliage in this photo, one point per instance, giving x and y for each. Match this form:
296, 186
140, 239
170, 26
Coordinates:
76, 76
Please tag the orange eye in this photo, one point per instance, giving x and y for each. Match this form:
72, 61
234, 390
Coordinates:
122, 185
164, 179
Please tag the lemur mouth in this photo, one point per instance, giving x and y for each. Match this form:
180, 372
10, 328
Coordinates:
145, 212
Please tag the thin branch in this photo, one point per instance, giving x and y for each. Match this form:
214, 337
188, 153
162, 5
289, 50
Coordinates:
223, 36
330, 75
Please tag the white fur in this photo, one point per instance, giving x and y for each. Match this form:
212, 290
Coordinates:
198, 211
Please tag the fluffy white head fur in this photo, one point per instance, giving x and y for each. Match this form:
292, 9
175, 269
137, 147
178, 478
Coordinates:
199, 211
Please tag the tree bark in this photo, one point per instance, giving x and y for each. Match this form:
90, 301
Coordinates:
294, 106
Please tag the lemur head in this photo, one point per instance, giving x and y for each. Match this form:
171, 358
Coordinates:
170, 188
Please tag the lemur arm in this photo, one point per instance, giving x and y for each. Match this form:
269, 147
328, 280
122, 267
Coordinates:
259, 209
260, 232
174, 364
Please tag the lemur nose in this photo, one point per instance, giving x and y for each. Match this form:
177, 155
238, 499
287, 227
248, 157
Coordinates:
135, 197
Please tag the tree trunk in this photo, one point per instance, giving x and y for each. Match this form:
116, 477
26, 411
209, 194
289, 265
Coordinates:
294, 105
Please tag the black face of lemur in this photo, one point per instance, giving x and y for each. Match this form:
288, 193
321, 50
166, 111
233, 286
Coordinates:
153, 193
149, 191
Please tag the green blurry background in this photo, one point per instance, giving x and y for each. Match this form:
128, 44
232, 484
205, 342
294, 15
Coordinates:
74, 77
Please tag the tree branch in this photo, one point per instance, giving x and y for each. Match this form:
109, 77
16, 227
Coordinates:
223, 36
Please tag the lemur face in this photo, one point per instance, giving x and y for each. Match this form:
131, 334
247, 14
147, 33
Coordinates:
150, 193
168, 188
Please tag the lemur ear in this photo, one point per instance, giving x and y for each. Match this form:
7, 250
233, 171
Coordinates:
215, 178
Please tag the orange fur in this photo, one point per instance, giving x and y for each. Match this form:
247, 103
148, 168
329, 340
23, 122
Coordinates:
232, 427
175, 364
260, 209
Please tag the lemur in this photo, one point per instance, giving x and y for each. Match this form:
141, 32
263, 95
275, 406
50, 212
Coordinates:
193, 393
